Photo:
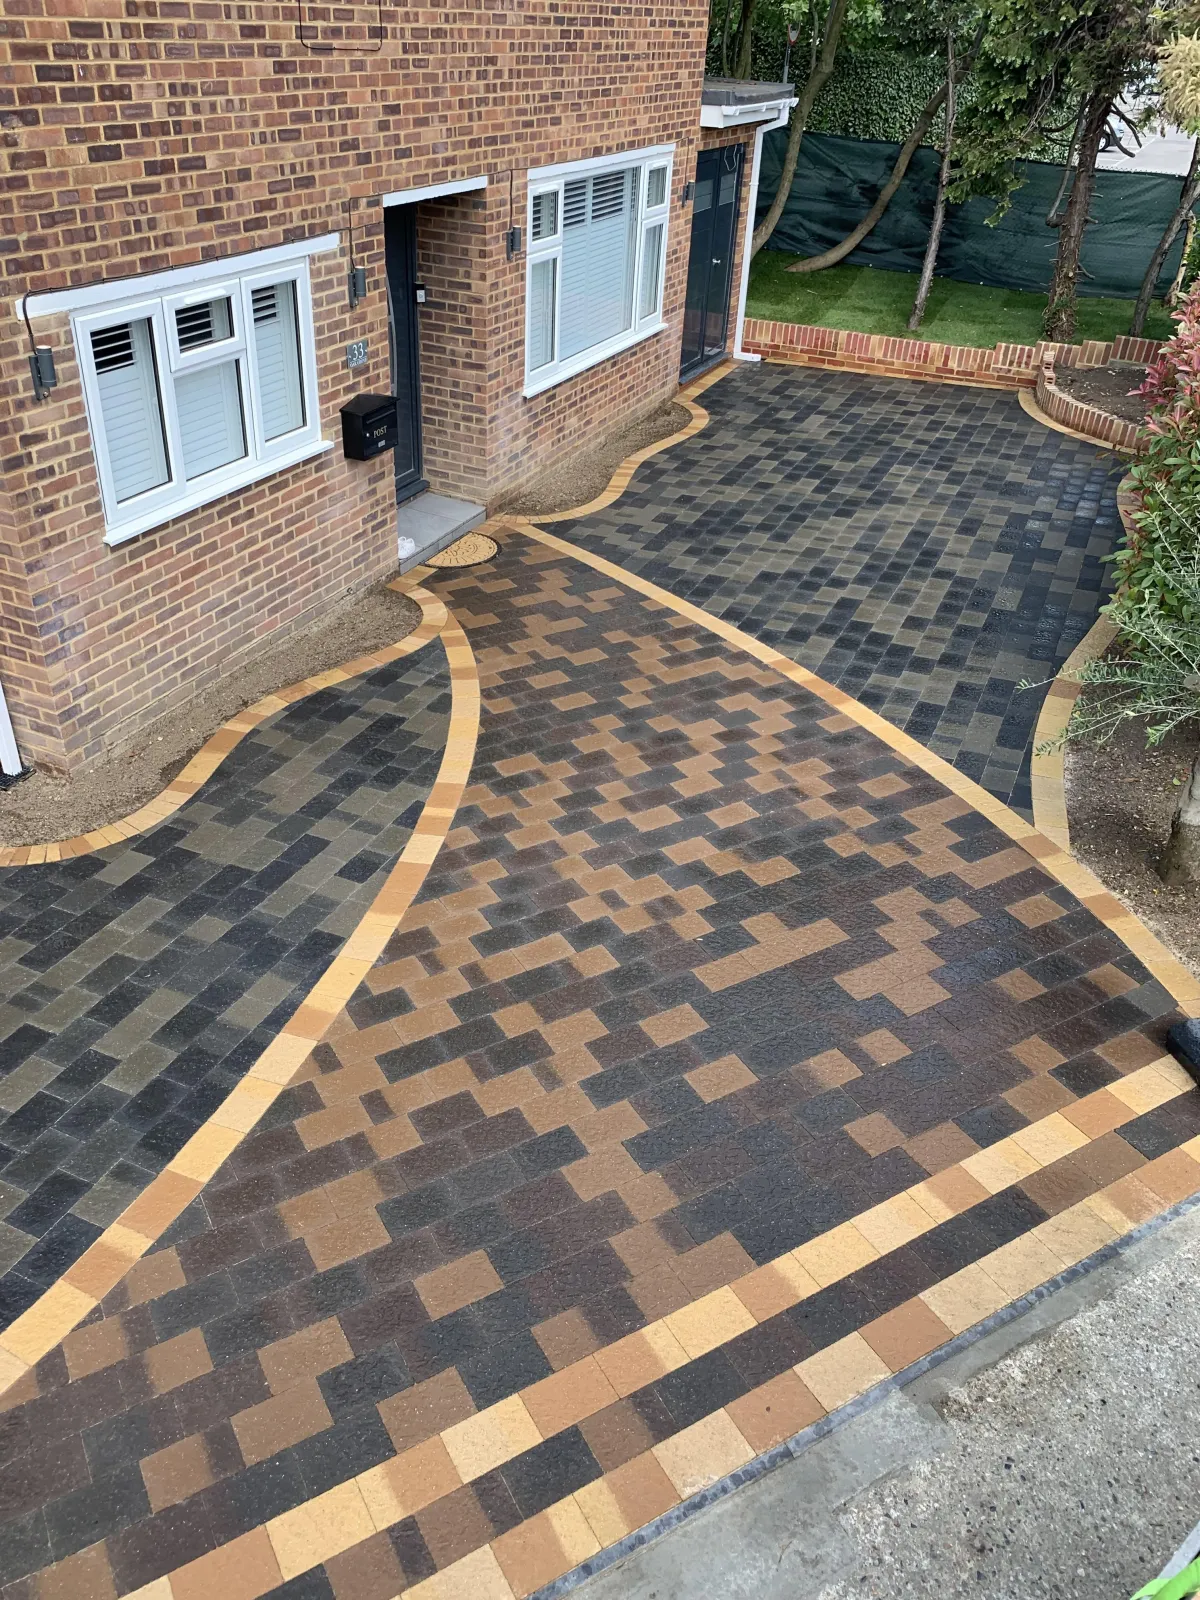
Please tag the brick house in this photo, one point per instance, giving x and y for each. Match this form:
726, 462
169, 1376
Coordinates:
189, 188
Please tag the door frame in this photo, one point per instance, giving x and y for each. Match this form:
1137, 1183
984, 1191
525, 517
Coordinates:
404, 345
704, 360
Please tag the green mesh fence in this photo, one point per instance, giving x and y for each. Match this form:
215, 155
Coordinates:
837, 180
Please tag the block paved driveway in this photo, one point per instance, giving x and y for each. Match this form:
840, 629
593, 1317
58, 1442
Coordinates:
924, 546
725, 1064
137, 984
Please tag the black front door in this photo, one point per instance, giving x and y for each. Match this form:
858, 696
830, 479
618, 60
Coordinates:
400, 249
710, 264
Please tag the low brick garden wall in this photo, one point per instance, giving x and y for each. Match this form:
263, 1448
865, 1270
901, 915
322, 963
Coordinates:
1004, 366
1077, 415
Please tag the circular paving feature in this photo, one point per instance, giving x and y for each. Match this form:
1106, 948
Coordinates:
472, 550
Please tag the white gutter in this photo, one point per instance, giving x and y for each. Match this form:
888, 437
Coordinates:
10, 756
781, 110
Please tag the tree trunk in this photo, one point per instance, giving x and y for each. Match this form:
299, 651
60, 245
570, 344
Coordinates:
725, 38
812, 88
1188, 196
1176, 295
939, 205
1059, 320
1181, 859
745, 40
829, 258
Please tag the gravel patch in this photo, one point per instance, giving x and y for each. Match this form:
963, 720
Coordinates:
46, 807
1121, 797
586, 474
1072, 1469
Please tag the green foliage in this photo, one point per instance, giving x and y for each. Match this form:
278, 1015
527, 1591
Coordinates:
1155, 674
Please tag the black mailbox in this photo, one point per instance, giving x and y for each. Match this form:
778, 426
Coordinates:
368, 426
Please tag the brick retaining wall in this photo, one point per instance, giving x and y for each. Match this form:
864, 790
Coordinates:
1004, 366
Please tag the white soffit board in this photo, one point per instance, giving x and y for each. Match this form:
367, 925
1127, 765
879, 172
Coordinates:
435, 191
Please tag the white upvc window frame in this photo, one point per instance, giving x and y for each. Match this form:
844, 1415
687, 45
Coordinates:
546, 180
153, 507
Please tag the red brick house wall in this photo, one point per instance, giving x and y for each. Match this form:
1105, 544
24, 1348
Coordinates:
150, 134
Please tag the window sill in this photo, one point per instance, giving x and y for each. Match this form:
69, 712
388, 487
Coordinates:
591, 358
251, 472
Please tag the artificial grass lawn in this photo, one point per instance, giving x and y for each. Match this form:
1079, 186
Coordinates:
871, 300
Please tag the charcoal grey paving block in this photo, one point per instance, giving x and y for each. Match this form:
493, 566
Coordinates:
159, 969
818, 508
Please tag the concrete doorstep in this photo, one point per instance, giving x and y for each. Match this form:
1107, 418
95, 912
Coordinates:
1055, 1455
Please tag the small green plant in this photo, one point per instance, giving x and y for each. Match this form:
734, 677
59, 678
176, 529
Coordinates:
1153, 675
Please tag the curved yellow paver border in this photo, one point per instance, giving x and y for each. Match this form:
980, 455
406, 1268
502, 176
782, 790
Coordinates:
1048, 775
230, 734
1072, 874
619, 481
81, 1288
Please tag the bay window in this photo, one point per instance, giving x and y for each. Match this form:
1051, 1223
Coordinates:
197, 391
597, 251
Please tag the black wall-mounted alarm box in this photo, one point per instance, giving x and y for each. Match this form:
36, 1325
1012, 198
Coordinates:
368, 426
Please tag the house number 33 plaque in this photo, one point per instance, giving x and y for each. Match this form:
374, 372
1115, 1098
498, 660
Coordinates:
356, 353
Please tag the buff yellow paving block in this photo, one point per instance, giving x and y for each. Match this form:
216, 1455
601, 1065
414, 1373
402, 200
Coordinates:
965, 1298
49, 1319
1076, 1233
491, 1437
603, 1512
320, 1528
835, 1254
474, 1577
1144, 1090
1050, 1139
1022, 1264
703, 1454
1000, 1165
710, 1321
245, 1104
204, 1152
894, 1223
281, 1060
160, 1589
843, 1370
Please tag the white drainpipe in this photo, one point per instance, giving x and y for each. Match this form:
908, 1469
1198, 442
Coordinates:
10, 756
778, 121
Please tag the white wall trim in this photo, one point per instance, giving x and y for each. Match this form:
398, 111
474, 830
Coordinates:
112, 289
581, 169
783, 110
740, 116
435, 191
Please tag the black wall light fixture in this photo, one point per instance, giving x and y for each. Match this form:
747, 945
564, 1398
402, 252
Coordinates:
41, 360
356, 287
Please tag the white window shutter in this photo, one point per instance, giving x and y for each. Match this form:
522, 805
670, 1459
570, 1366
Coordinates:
277, 359
208, 402
127, 385
597, 260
